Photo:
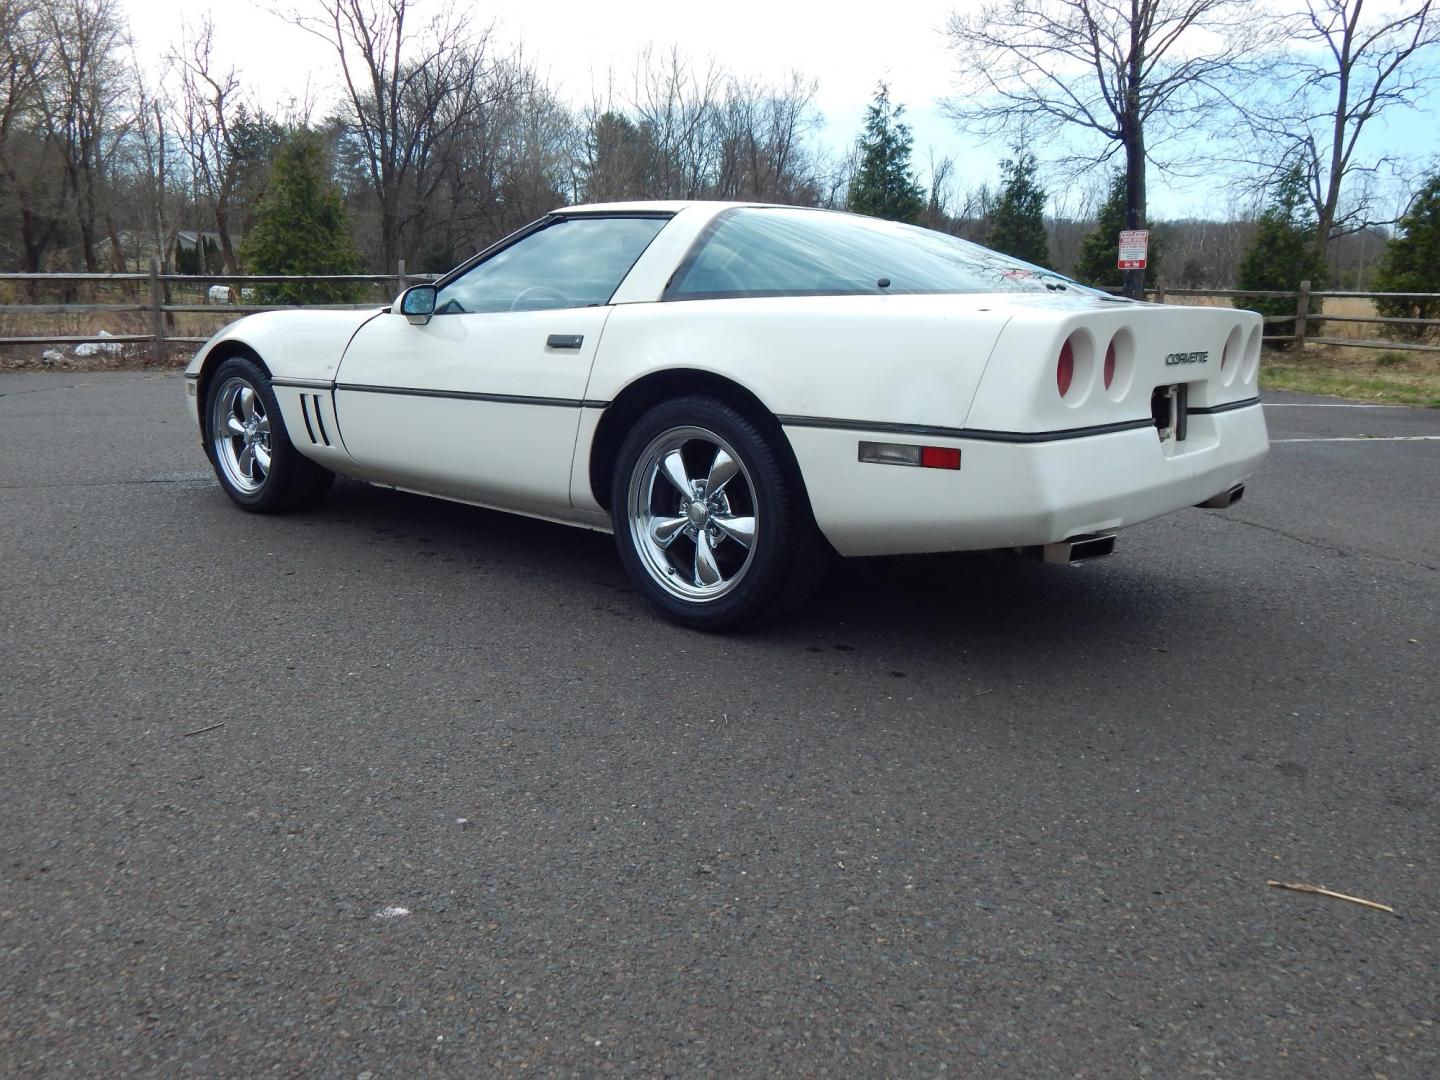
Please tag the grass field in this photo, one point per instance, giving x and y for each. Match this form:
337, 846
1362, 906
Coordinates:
1391, 377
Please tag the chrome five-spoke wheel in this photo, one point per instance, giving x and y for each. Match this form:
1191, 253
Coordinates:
710, 515
246, 441
692, 514
240, 434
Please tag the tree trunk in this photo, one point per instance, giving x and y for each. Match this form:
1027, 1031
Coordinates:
230, 261
35, 237
1331, 201
1133, 135
117, 249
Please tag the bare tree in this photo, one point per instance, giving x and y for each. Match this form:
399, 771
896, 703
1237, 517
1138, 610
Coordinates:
82, 96
762, 152
27, 157
208, 102
153, 150
1126, 76
691, 131
1349, 65
676, 105
407, 92
510, 164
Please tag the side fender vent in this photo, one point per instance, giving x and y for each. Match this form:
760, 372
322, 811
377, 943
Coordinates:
309, 402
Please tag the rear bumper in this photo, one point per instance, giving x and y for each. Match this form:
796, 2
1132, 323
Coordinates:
1009, 494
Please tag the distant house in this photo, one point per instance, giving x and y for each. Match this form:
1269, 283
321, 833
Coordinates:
190, 240
198, 251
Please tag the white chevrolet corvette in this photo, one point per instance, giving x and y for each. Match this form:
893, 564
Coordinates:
737, 391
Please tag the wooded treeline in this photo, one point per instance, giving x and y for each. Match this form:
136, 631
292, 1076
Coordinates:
441, 143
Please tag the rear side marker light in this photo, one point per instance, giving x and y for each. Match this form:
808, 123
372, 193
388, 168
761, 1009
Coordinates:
923, 457
939, 457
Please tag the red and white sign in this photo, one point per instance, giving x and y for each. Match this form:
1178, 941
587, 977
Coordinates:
1134, 246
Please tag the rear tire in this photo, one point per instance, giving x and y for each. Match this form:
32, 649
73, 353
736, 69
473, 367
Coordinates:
710, 519
245, 439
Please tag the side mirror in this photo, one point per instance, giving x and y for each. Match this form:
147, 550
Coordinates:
417, 304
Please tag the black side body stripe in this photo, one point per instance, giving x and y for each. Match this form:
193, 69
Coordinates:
465, 395
303, 384
979, 434
1204, 410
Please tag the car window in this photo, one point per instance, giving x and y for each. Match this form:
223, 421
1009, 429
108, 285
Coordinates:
793, 252
574, 262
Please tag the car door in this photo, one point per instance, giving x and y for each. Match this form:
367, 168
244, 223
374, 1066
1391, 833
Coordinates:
483, 401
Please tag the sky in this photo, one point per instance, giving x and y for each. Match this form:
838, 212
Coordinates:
574, 44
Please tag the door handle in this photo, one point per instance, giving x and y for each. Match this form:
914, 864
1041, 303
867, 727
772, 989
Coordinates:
564, 341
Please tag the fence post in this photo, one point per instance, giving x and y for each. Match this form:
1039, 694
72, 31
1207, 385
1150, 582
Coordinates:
1302, 311
1159, 290
401, 281
157, 317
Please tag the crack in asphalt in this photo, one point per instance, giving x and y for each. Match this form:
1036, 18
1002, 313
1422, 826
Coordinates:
1329, 548
199, 480
70, 386
40, 390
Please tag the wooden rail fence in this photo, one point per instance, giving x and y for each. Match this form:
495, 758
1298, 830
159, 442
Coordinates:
160, 309
155, 285
1303, 316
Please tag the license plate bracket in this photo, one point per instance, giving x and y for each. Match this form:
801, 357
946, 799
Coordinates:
1169, 411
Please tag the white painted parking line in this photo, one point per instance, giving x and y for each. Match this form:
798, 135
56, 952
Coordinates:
1327, 405
1367, 438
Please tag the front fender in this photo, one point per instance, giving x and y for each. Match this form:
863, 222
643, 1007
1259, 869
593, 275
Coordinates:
296, 344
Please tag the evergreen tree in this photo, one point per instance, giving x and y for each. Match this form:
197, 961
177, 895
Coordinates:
1018, 228
1412, 261
256, 139
884, 185
1099, 251
1283, 252
301, 227
201, 258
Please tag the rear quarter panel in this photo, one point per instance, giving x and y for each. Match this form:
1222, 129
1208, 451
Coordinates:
1019, 392
902, 359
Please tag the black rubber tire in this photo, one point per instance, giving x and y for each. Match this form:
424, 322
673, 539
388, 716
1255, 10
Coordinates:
294, 481
790, 556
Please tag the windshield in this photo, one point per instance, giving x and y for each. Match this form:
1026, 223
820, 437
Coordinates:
781, 251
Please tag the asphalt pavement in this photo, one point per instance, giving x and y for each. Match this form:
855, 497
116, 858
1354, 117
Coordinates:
399, 788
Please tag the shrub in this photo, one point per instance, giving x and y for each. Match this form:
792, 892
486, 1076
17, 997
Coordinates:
1411, 262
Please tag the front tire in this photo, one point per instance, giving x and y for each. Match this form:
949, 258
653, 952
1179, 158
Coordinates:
710, 519
246, 441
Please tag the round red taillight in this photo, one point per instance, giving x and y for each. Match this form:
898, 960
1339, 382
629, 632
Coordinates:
1065, 369
1109, 365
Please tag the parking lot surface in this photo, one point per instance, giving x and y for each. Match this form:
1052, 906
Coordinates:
963, 815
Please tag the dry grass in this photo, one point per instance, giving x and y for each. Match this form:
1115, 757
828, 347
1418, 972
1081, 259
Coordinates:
1393, 376
76, 324
120, 323
1349, 306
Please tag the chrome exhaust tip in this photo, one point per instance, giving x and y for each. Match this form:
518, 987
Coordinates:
1073, 550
